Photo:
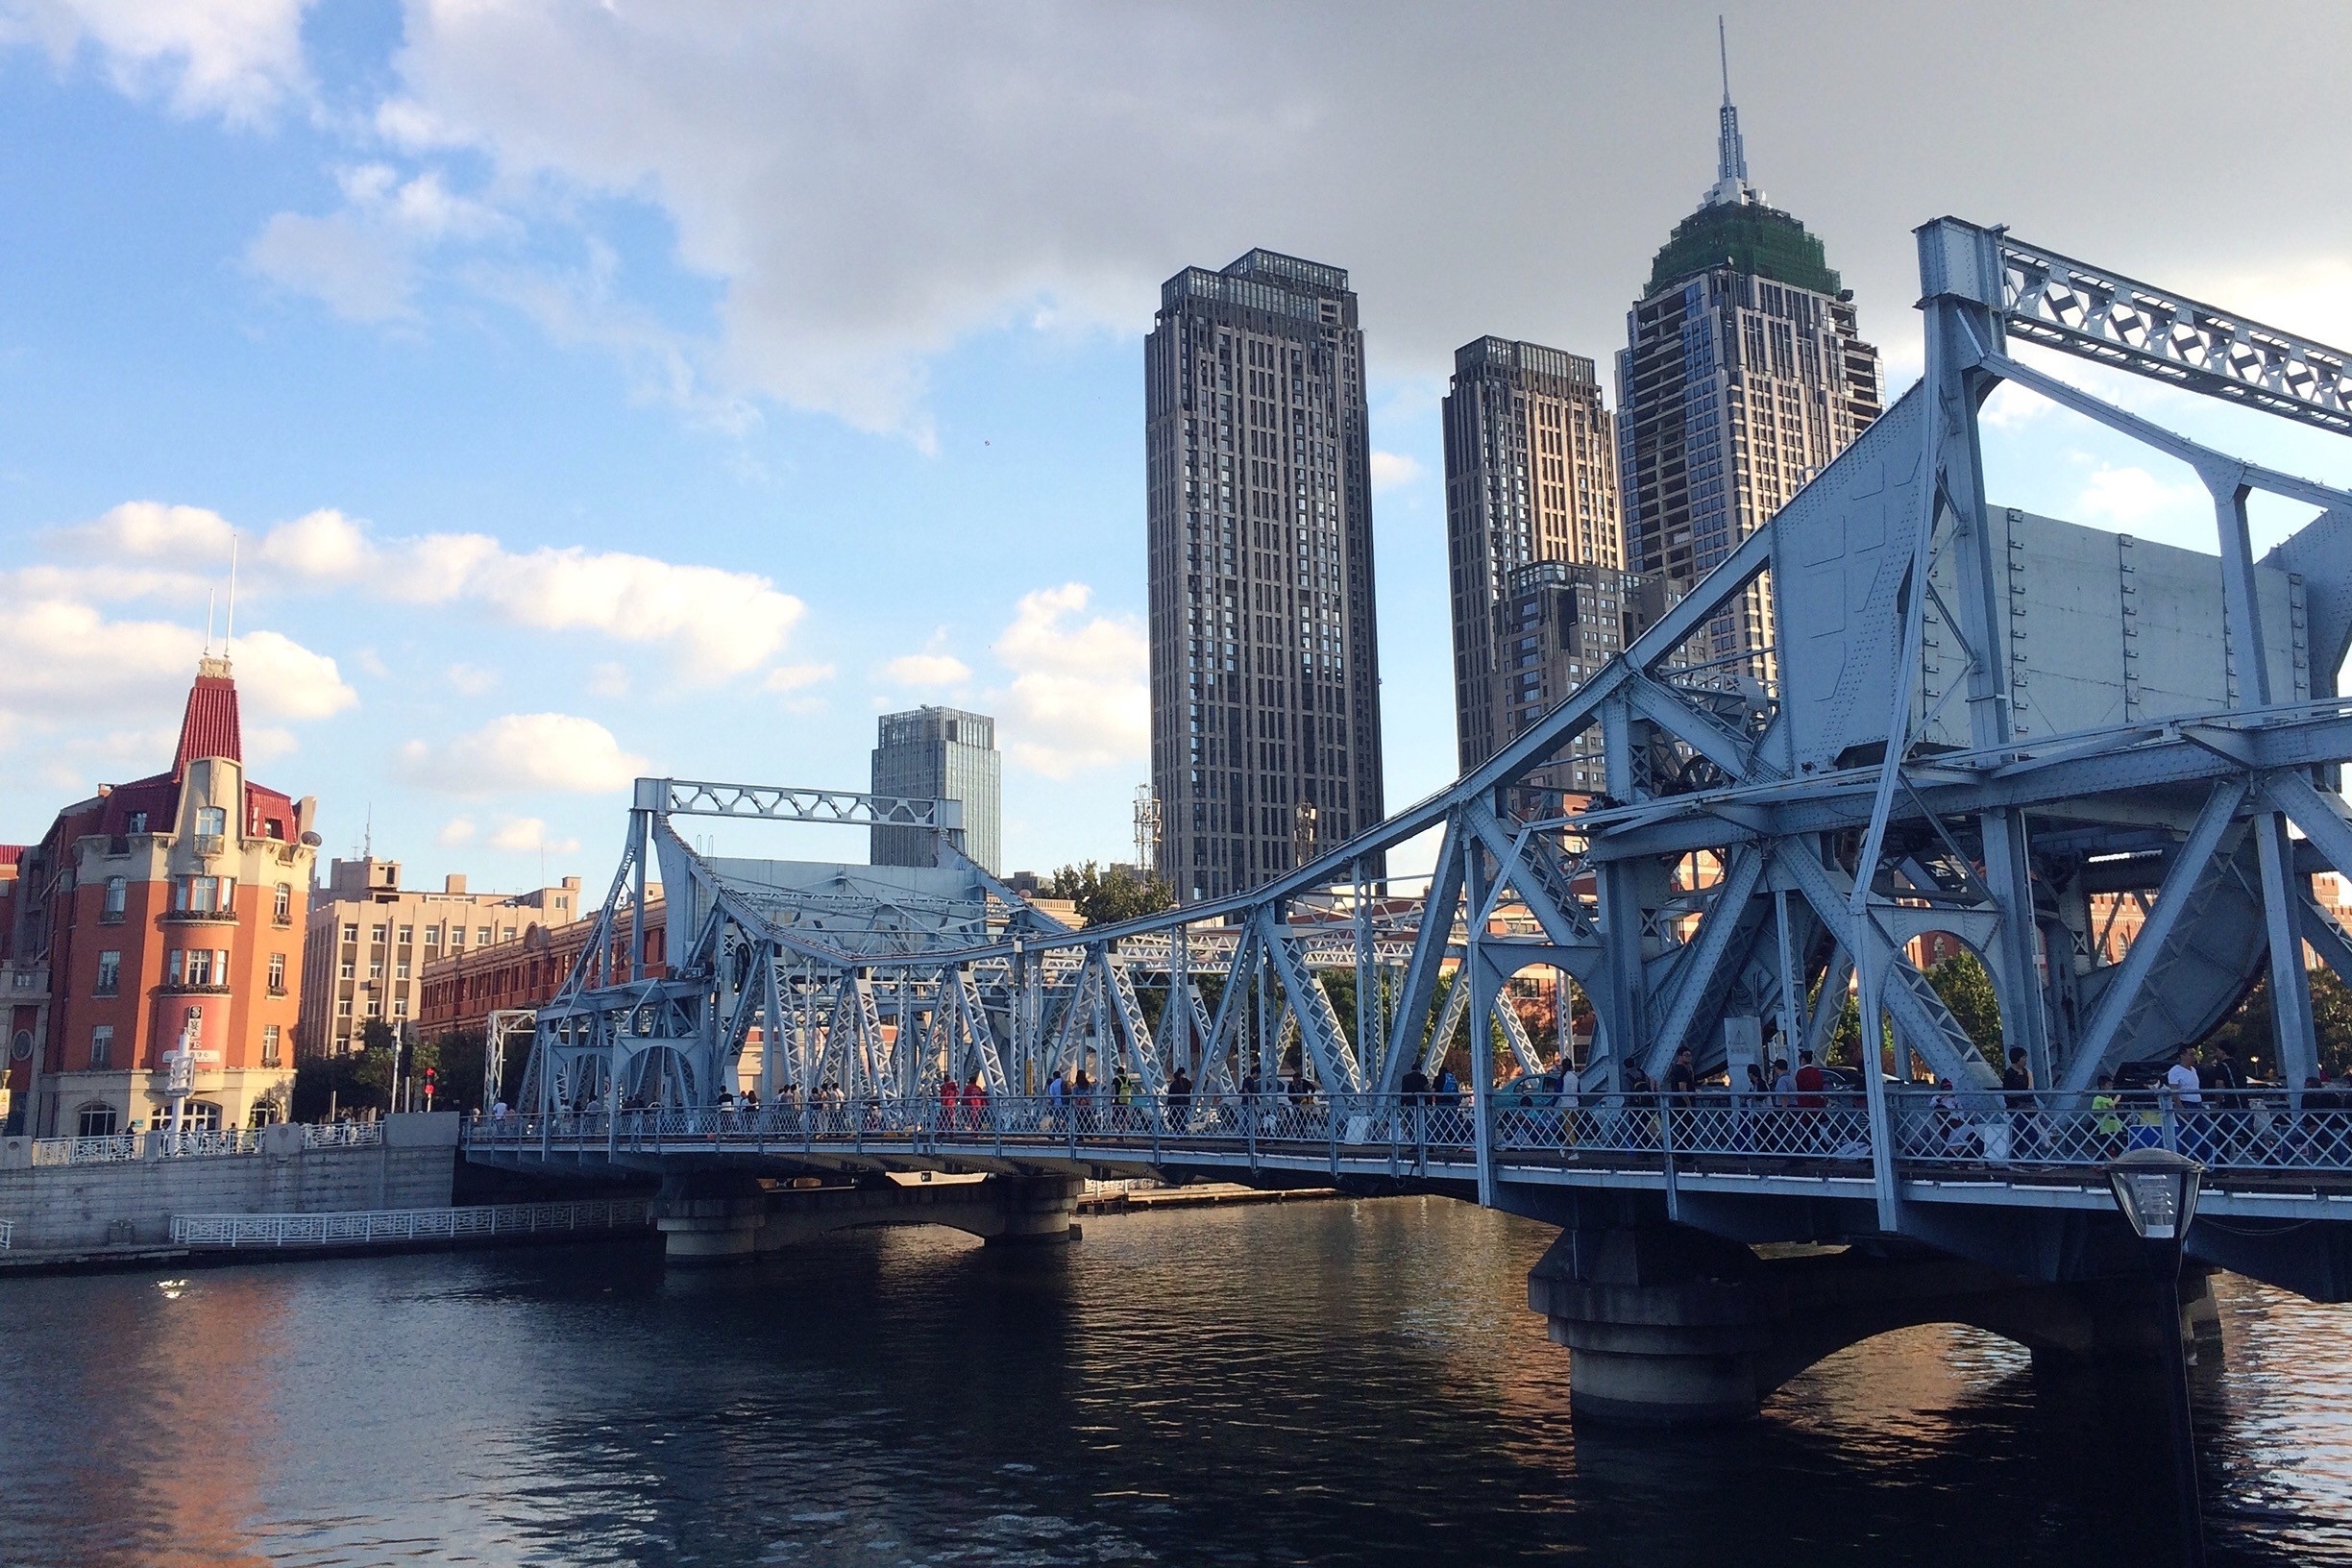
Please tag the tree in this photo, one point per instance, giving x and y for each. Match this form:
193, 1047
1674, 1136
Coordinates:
360, 1080
1105, 898
1967, 990
2250, 1034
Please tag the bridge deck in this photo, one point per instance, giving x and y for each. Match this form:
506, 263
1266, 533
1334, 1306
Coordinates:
2265, 1155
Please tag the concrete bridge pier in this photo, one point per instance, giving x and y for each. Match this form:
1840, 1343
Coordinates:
720, 1218
1666, 1325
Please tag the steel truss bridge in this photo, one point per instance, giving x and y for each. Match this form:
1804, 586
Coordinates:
1973, 721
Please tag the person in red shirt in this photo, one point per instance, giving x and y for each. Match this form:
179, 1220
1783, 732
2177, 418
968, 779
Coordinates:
975, 1105
950, 1093
1810, 1082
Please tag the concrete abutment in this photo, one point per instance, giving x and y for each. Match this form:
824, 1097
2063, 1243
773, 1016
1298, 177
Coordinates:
726, 1217
1669, 1327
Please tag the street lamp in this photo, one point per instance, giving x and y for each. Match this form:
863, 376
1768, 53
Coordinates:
2157, 1191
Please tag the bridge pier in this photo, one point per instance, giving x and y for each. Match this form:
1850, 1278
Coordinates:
1665, 1326
721, 1217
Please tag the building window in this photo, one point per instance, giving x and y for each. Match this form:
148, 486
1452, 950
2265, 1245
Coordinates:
400, 971
282, 910
269, 1045
481, 937
399, 1007
350, 969
506, 934
95, 1121
456, 935
138, 823
102, 1048
375, 1007
407, 935
376, 969
432, 936
211, 829
277, 974
377, 933
343, 1008
117, 899
351, 933
109, 974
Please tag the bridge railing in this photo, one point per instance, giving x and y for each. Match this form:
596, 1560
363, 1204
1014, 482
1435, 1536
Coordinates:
2244, 1131
1936, 1134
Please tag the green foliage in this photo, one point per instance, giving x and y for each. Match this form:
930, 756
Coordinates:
457, 1059
2250, 1032
1105, 896
1966, 989
339, 1084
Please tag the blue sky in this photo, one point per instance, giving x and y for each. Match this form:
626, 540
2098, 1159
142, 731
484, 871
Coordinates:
603, 390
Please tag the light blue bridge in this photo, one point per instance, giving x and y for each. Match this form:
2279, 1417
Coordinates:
1973, 722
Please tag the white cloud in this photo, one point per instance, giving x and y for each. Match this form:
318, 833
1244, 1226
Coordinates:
925, 669
278, 677
609, 678
455, 833
715, 623
792, 678
1079, 697
2133, 497
361, 261
470, 679
523, 751
1393, 471
238, 58
67, 661
525, 835
338, 260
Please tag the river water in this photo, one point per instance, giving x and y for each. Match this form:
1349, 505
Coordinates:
1346, 1382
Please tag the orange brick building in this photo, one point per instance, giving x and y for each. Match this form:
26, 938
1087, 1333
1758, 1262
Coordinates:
460, 992
166, 909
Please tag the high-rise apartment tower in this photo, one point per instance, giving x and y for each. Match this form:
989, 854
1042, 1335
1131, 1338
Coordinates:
940, 754
1265, 666
1743, 376
1530, 476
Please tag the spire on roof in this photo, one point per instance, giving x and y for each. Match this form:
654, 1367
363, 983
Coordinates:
1730, 187
210, 727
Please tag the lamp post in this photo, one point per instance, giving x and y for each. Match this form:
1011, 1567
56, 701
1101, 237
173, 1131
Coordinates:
2156, 1189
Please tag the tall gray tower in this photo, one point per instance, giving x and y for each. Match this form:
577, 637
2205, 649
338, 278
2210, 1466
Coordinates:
940, 754
1530, 461
1264, 664
1744, 373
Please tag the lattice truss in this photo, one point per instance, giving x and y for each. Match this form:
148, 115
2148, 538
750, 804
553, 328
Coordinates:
1973, 722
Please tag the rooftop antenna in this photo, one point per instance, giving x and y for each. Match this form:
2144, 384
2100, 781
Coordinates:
1731, 151
211, 602
367, 840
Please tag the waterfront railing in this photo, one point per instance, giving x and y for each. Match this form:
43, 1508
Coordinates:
386, 1225
163, 1144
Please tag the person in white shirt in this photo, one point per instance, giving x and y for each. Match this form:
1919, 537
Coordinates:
2182, 1079
2187, 1090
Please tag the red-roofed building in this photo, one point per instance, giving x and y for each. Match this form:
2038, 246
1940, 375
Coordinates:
163, 910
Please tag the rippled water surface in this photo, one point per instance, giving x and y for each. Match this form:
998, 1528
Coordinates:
1334, 1382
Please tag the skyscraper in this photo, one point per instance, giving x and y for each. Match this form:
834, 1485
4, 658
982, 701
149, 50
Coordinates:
1530, 476
940, 754
1265, 666
1743, 376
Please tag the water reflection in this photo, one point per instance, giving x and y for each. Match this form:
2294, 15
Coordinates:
1344, 1383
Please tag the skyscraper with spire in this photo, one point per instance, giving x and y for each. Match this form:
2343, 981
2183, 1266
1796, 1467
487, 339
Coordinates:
1743, 375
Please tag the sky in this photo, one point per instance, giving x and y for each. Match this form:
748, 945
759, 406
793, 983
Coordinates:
587, 391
